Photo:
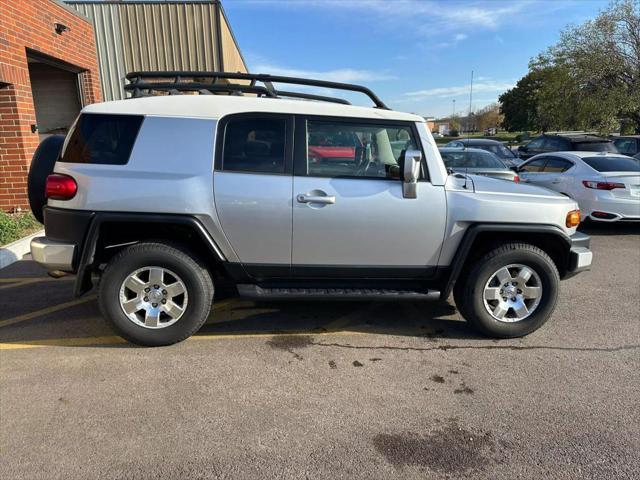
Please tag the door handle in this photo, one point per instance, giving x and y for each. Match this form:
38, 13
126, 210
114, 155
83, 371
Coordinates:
323, 199
555, 182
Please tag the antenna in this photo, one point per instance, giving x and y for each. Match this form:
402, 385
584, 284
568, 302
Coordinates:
466, 173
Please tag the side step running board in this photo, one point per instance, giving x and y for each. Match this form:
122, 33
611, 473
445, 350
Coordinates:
256, 291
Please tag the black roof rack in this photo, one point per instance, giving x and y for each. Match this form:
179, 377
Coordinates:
206, 83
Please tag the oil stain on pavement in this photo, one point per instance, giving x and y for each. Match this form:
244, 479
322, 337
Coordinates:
290, 343
450, 450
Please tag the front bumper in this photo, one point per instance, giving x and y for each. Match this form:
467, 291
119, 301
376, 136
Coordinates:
580, 256
53, 255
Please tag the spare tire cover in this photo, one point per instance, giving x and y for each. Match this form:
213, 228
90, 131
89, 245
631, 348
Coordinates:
42, 165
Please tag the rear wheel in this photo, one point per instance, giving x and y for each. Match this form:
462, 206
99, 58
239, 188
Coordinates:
510, 292
155, 294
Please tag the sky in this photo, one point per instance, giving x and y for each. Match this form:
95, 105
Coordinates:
417, 55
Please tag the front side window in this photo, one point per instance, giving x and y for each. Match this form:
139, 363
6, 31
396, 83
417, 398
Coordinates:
336, 149
627, 146
103, 139
255, 145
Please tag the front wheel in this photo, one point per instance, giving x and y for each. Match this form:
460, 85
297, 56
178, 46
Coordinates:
510, 292
155, 294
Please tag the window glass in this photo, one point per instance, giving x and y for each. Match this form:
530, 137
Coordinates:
557, 165
536, 143
255, 145
595, 147
356, 150
102, 139
625, 145
555, 143
455, 144
467, 159
613, 164
533, 166
499, 150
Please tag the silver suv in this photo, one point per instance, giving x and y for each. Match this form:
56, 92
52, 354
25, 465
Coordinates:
286, 195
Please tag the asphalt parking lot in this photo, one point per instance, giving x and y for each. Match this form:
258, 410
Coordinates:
326, 390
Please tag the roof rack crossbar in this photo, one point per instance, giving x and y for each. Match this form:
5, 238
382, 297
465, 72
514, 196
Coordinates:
144, 81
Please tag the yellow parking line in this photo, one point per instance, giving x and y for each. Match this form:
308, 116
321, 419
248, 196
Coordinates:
29, 281
114, 340
46, 311
35, 279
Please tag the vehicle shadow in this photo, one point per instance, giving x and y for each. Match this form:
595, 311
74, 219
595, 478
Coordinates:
83, 326
415, 319
603, 229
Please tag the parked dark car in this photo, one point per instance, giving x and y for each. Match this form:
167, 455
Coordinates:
505, 154
628, 145
566, 142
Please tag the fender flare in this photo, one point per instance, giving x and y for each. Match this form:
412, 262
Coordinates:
474, 230
88, 248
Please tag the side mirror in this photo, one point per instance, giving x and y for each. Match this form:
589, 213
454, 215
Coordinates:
411, 173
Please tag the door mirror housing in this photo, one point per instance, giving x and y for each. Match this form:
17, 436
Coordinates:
411, 173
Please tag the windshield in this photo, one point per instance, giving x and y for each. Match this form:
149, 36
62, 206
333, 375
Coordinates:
467, 159
613, 164
499, 150
595, 147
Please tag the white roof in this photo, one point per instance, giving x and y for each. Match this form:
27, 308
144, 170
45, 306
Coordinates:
217, 106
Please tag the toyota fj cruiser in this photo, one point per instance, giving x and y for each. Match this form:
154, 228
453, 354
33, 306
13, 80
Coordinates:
286, 195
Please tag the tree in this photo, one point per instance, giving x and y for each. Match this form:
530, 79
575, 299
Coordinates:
488, 117
595, 72
520, 104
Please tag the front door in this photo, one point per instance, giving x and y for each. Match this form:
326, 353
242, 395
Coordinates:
349, 215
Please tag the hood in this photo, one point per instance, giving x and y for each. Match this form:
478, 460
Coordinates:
484, 184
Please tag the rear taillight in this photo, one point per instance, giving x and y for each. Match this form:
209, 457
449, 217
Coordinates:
516, 179
60, 187
602, 185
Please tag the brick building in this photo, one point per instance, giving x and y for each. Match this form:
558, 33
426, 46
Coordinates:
48, 72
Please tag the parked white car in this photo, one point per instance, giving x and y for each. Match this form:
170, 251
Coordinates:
605, 185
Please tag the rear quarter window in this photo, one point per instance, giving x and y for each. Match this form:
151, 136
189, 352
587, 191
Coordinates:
613, 164
102, 139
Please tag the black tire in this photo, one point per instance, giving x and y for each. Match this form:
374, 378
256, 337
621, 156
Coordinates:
469, 295
195, 276
41, 167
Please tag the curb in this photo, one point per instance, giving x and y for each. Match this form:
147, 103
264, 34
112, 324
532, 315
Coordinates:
16, 250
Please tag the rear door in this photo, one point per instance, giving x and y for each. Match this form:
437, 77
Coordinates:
350, 218
252, 189
553, 174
